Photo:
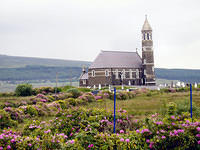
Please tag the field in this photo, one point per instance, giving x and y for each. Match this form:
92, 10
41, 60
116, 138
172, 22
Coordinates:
77, 119
144, 104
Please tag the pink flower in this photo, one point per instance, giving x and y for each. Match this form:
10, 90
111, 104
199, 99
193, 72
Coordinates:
187, 121
163, 137
121, 131
72, 141
148, 141
12, 141
8, 147
127, 140
173, 123
137, 131
90, 145
151, 145
173, 117
198, 129
198, 135
122, 140
159, 122
198, 142
30, 144
1, 148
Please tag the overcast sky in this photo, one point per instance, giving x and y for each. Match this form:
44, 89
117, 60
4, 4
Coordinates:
79, 29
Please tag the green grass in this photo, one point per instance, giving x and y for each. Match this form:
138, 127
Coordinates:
143, 105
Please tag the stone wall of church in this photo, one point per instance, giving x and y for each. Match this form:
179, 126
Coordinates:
114, 76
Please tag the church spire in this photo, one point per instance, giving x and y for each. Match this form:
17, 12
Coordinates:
146, 25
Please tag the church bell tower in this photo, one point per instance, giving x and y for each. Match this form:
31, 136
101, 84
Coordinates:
147, 54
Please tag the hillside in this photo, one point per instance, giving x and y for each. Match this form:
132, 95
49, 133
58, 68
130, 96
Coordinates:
17, 62
14, 68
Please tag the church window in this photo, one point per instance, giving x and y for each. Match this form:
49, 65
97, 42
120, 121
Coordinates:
144, 61
84, 81
144, 71
137, 73
124, 74
116, 74
93, 73
147, 36
150, 36
106, 72
130, 74
144, 36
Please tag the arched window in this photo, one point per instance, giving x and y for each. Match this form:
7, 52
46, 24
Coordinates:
93, 73
147, 36
124, 74
137, 73
145, 72
144, 36
106, 72
150, 36
116, 74
144, 61
130, 74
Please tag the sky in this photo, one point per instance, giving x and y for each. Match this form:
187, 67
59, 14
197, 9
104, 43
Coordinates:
80, 29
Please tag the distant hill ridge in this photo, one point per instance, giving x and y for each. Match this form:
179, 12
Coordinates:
14, 68
18, 61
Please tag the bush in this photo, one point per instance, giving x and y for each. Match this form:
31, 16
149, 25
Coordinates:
5, 120
84, 89
15, 113
87, 97
75, 92
171, 108
31, 110
65, 88
24, 90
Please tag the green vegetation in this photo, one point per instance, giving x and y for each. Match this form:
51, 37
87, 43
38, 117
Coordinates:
146, 119
24, 90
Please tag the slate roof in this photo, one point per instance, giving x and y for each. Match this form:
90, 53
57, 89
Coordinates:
84, 76
117, 59
146, 25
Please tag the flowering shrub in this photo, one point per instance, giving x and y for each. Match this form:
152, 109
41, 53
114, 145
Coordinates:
75, 92
80, 128
87, 97
5, 120
15, 113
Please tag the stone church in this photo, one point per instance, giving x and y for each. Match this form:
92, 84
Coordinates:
123, 68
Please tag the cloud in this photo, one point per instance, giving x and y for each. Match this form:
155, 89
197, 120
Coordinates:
79, 29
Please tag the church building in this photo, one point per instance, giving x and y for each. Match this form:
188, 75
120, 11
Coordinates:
121, 67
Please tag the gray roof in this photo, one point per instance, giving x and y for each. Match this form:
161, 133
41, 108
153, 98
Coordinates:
146, 25
84, 76
117, 59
